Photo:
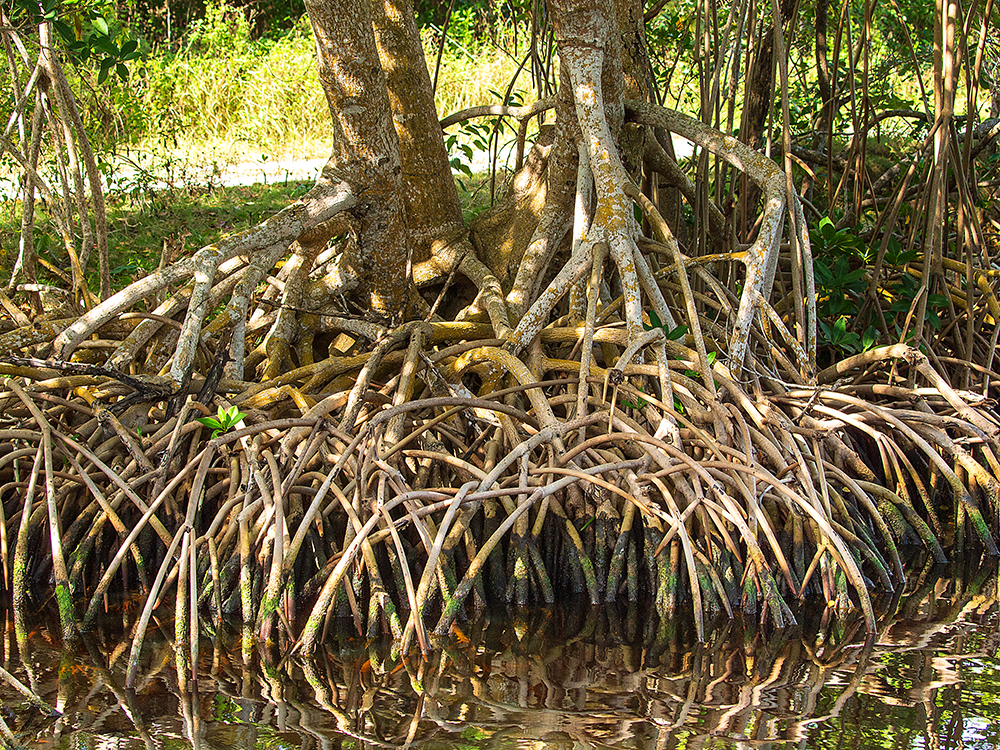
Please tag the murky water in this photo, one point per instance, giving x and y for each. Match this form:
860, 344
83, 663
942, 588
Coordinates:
572, 678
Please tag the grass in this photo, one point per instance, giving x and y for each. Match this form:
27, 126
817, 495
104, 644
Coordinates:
139, 229
223, 98
226, 98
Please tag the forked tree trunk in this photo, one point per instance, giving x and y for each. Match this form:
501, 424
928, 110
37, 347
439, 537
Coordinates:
432, 207
365, 148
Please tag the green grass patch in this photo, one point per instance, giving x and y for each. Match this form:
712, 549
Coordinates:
226, 97
140, 230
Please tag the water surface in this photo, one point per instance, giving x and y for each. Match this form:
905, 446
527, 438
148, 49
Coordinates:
569, 678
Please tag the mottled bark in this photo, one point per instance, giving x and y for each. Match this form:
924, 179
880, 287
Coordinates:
432, 206
365, 149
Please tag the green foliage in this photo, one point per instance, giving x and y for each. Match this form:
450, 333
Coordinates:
103, 55
672, 334
87, 29
477, 24
839, 278
482, 135
840, 265
224, 30
639, 402
224, 86
143, 219
224, 421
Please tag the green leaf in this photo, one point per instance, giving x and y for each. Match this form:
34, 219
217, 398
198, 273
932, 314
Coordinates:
869, 338
65, 31
827, 229
101, 25
677, 333
106, 65
122, 71
211, 422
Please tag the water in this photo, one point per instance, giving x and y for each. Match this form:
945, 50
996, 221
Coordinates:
566, 679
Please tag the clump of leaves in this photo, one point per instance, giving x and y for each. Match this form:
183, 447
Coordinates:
639, 403
672, 334
224, 421
841, 262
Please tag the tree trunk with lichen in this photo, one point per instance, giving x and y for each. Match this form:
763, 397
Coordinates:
431, 201
365, 149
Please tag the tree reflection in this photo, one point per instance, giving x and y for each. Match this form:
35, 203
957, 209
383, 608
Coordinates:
573, 677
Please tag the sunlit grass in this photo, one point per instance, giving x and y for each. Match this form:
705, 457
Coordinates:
141, 226
251, 100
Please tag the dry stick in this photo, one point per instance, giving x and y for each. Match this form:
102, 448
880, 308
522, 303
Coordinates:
761, 258
272, 593
67, 102
452, 606
404, 390
587, 346
106, 417
25, 262
525, 112
189, 567
19, 592
155, 522
857, 489
213, 560
583, 215
64, 596
693, 319
535, 317
181, 611
112, 516
246, 579
513, 365
379, 593
193, 628
965, 499
657, 337
4, 550
286, 224
311, 630
411, 594
355, 401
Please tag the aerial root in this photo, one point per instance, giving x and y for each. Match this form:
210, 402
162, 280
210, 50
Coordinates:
379, 488
402, 477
